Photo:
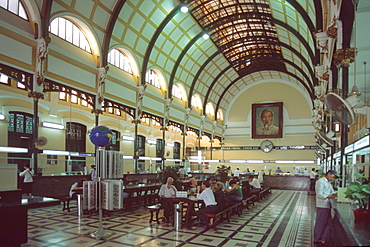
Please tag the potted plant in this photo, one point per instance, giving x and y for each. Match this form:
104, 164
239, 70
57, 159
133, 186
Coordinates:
359, 192
269, 170
222, 172
39, 171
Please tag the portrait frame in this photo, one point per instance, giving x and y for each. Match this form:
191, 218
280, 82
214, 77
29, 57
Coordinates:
277, 109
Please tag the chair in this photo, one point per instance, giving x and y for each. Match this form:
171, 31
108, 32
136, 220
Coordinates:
154, 209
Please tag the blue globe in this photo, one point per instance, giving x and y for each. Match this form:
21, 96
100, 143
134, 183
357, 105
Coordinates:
101, 136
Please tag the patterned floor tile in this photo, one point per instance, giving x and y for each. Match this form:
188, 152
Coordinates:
248, 236
261, 225
239, 243
208, 240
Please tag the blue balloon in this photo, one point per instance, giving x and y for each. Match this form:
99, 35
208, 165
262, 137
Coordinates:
101, 136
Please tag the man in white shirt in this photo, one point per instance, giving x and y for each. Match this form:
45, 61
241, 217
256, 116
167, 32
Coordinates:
167, 191
209, 200
254, 182
237, 172
324, 191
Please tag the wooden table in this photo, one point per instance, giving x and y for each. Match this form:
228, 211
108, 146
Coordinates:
191, 201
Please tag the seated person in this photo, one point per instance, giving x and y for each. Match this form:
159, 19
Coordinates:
235, 194
220, 196
167, 191
256, 186
191, 184
75, 186
210, 203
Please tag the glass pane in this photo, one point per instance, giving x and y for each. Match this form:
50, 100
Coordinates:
4, 4
11, 122
62, 28
20, 85
22, 13
19, 121
69, 31
76, 36
54, 27
29, 124
3, 79
13, 6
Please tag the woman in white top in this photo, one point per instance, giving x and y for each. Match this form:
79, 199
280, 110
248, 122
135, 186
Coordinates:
28, 180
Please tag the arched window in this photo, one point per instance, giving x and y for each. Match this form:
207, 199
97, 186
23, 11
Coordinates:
16, 7
152, 78
176, 92
67, 30
120, 60
210, 110
220, 115
196, 102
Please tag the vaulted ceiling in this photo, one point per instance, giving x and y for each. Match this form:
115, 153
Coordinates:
250, 41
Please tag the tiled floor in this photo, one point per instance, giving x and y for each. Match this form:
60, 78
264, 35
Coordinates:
285, 218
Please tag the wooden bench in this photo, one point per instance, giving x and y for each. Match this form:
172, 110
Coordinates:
65, 199
248, 201
225, 214
264, 193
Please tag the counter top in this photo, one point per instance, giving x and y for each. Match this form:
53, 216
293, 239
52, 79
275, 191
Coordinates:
359, 230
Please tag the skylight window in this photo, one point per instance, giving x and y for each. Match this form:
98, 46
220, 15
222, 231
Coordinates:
120, 60
14, 6
67, 30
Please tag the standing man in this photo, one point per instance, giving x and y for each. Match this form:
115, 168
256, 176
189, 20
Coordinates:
167, 191
267, 128
324, 220
92, 173
209, 200
237, 172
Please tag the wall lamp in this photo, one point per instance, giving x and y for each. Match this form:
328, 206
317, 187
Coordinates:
53, 125
2, 117
151, 142
128, 138
13, 150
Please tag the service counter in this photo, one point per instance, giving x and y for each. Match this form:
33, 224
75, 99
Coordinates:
358, 232
50, 186
287, 182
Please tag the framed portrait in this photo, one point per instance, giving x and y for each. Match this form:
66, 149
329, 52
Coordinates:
267, 120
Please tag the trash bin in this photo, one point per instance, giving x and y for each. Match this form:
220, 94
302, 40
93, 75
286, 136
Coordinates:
178, 216
79, 205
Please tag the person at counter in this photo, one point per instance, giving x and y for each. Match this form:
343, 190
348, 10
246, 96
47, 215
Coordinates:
27, 185
210, 203
167, 190
278, 170
323, 224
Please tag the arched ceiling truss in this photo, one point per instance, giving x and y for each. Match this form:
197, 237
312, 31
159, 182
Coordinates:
250, 41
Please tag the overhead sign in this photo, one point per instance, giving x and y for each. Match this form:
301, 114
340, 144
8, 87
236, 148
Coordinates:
299, 147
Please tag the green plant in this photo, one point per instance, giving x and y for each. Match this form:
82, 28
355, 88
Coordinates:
222, 172
269, 170
359, 192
